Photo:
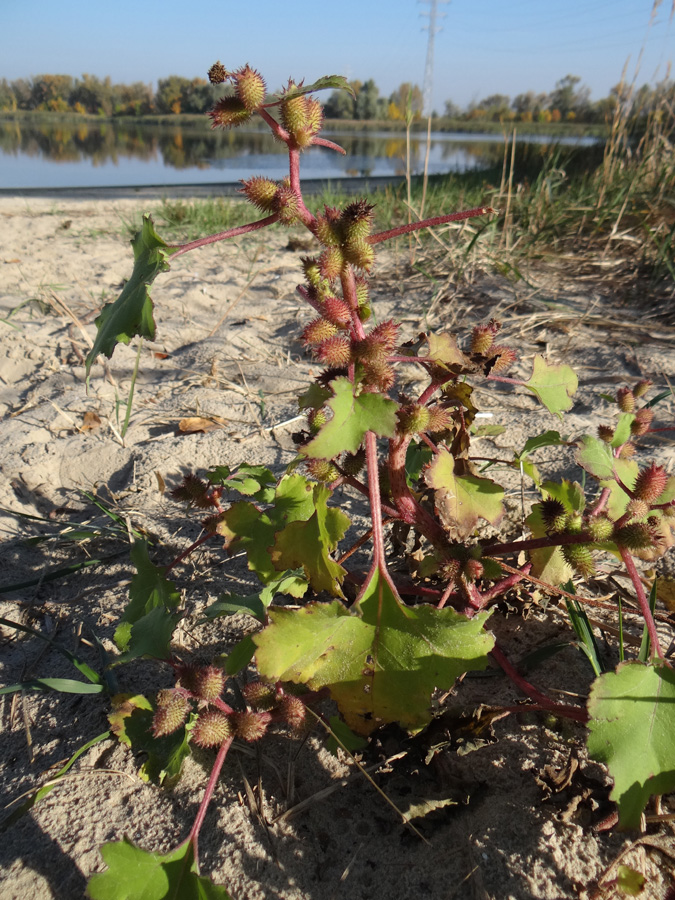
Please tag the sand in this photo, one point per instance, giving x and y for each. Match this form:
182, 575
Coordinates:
527, 804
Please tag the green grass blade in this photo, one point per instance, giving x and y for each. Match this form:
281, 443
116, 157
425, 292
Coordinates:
88, 672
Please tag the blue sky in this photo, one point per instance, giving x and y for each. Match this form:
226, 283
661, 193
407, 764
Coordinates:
484, 47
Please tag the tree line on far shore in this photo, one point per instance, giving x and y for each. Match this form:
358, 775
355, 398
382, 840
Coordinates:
569, 101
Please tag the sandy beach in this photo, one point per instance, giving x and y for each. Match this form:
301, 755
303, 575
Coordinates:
519, 808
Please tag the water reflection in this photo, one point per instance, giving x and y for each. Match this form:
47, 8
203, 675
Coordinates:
33, 153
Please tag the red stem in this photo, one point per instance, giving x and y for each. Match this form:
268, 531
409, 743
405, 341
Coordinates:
569, 712
208, 793
429, 223
278, 129
322, 142
643, 601
304, 214
190, 549
224, 235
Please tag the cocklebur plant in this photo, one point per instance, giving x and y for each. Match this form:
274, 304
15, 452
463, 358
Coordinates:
380, 658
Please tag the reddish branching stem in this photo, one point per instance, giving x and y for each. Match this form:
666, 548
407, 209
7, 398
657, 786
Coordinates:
208, 793
567, 712
224, 235
429, 223
629, 563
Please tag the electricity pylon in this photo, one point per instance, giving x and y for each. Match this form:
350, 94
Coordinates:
433, 29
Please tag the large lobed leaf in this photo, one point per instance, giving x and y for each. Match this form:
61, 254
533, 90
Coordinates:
299, 505
131, 314
632, 731
380, 660
353, 415
147, 622
326, 82
135, 874
462, 499
554, 385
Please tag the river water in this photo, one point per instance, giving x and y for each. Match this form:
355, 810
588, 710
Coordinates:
53, 154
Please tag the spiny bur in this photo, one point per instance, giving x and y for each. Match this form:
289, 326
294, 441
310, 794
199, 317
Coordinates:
322, 470
553, 515
483, 337
580, 558
196, 492
261, 192
352, 463
259, 695
317, 331
292, 710
218, 73
650, 483
171, 711
249, 86
229, 112
600, 527
635, 536
211, 728
626, 400
643, 419
204, 682
251, 726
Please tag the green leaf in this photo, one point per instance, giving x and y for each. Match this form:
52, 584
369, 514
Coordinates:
342, 736
626, 470
64, 685
252, 481
135, 874
314, 397
131, 721
240, 656
645, 643
380, 660
246, 527
353, 416
445, 353
309, 545
417, 456
326, 83
132, 313
629, 881
632, 731
622, 432
462, 499
150, 636
546, 439
554, 385
255, 604
149, 590
569, 493
548, 563
595, 457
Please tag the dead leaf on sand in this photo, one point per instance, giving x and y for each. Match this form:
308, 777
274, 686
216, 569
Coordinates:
200, 424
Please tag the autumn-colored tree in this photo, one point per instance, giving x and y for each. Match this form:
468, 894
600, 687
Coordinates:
406, 101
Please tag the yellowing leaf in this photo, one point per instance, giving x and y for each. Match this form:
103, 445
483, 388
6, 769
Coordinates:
463, 499
309, 545
380, 660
